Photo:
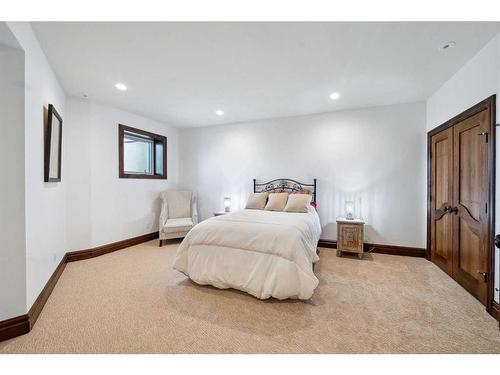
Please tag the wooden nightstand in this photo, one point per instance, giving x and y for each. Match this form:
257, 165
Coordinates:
350, 236
220, 213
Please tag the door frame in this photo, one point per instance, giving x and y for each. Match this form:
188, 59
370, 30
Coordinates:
490, 105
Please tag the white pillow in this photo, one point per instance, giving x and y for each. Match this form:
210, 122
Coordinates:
257, 201
298, 203
276, 202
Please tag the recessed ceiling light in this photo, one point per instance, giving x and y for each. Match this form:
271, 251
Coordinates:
447, 45
219, 112
121, 86
334, 95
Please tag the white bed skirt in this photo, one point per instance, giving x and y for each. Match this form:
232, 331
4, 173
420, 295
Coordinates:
261, 275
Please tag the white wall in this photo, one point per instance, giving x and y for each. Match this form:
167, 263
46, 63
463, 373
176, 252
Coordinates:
12, 209
77, 177
91, 206
474, 82
45, 202
373, 155
103, 208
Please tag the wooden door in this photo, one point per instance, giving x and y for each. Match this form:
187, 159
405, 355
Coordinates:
442, 200
470, 204
461, 198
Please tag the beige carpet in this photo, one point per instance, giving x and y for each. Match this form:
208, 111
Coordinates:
132, 301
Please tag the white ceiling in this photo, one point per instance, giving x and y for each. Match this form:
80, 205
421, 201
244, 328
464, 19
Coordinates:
180, 73
7, 39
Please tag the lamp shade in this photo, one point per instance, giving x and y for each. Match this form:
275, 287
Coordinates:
349, 210
227, 204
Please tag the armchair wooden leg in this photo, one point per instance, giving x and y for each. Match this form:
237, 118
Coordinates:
161, 243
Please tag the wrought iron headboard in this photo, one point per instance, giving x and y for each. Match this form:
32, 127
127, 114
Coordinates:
285, 184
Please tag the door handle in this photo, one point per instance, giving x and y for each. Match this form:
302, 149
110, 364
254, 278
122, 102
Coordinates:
484, 275
442, 211
453, 210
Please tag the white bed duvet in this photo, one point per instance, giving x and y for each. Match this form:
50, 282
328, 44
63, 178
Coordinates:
264, 253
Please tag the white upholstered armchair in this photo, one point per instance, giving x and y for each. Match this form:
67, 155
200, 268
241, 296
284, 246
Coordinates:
179, 213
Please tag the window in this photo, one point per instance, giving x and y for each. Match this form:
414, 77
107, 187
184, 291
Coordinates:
141, 154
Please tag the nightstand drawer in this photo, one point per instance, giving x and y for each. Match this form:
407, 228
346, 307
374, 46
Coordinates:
350, 238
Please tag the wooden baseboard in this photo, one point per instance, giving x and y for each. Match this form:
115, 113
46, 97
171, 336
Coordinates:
44, 295
495, 310
21, 325
14, 327
74, 256
328, 244
381, 249
396, 250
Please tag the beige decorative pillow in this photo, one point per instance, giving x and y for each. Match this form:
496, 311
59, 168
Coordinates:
298, 203
257, 201
276, 202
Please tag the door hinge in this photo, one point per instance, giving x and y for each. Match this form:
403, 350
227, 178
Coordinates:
486, 207
485, 136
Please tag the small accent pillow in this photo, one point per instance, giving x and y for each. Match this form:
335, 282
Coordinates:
298, 203
257, 201
278, 191
304, 191
276, 202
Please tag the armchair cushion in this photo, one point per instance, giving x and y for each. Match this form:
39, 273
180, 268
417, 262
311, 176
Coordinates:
179, 204
178, 225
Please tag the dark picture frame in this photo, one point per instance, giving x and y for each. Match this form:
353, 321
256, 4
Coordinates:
53, 146
156, 138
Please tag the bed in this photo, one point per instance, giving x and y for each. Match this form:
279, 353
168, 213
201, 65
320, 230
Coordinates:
264, 253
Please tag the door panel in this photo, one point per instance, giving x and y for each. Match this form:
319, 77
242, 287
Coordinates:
442, 192
470, 221
469, 183
468, 244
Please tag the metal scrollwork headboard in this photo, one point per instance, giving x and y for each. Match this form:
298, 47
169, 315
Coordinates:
285, 184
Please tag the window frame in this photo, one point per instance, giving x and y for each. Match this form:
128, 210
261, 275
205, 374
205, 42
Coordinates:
156, 139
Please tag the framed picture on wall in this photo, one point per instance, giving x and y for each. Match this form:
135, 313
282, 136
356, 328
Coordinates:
53, 146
